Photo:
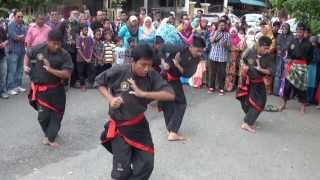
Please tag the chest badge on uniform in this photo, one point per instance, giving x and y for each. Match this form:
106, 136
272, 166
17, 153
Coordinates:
124, 86
292, 46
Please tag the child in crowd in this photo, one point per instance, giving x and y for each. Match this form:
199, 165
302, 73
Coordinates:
85, 65
132, 45
119, 51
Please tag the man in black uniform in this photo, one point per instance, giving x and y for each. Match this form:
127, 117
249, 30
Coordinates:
129, 89
256, 63
48, 66
300, 53
183, 63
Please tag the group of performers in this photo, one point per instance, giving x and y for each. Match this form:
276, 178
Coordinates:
129, 88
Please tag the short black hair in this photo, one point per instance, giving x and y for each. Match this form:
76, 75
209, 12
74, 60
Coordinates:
184, 15
96, 31
222, 21
16, 11
130, 40
199, 10
263, 23
276, 23
264, 41
142, 51
55, 35
301, 26
82, 26
198, 42
159, 40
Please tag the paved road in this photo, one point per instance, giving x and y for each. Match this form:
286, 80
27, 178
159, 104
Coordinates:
286, 146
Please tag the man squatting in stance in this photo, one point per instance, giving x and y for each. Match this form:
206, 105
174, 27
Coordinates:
256, 63
129, 89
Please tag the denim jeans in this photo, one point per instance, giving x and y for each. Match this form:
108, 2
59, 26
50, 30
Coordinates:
3, 75
15, 70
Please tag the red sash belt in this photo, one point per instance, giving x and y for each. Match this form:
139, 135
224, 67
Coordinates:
244, 91
171, 77
113, 132
257, 81
295, 61
36, 88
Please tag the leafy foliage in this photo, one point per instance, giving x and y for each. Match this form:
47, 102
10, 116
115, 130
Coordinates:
307, 11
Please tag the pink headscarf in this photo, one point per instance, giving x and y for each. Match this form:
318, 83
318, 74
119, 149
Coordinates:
186, 34
235, 39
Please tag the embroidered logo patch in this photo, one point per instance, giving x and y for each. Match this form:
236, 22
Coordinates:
124, 86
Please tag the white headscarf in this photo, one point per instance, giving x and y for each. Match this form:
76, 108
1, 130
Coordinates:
147, 30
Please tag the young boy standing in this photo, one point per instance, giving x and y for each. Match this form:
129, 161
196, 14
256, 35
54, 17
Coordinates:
119, 52
85, 66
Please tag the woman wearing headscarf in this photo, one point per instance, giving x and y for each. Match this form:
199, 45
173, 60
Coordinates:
147, 33
186, 34
231, 70
283, 41
131, 29
170, 35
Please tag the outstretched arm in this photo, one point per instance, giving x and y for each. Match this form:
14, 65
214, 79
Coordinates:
161, 95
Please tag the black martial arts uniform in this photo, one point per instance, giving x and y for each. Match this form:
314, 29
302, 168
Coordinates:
47, 94
174, 110
127, 134
299, 55
252, 91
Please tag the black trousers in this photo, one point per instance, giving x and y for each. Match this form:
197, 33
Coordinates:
173, 115
258, 96
50, 122
174, 111
251, 114
130, 163
86, 71
290, 91
74, 75
216, 71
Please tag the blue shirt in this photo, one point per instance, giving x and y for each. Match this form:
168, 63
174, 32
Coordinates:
218, 52
149, 39
125, 35
14, 30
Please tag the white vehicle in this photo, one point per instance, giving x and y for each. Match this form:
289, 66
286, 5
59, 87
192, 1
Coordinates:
253, 20
215, 17
211, 18
293, 24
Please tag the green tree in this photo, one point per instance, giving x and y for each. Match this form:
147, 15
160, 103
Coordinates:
306, 11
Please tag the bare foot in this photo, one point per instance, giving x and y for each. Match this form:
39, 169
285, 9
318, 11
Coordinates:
302, 109
248, 128
282, 108
54, 144
254, 127
175, 137
45, 141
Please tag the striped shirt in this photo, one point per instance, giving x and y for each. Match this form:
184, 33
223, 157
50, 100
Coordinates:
218, 52
108, 52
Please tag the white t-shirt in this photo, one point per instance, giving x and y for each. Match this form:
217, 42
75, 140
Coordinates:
120, 54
